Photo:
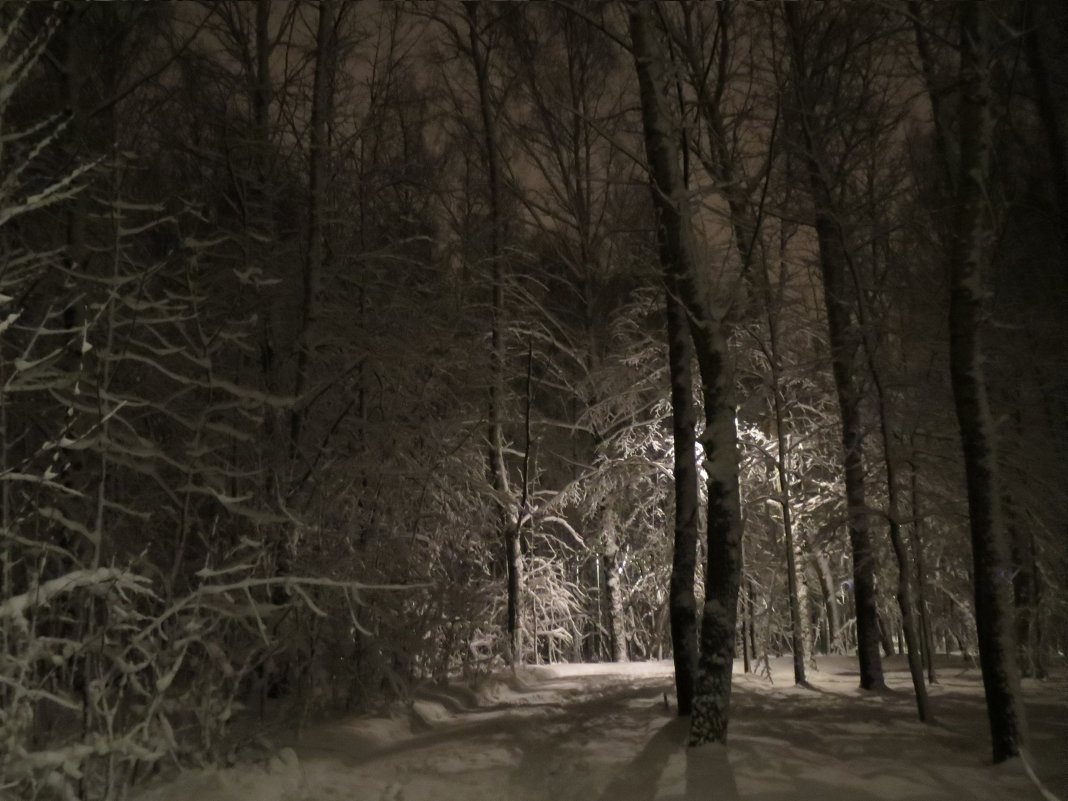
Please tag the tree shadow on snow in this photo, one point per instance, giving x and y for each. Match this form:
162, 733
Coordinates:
706, 775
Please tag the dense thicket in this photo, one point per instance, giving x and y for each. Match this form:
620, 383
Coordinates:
334, 352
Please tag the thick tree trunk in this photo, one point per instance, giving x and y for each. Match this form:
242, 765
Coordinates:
678, 255
498, 474
683, 603
967, 255
845, 341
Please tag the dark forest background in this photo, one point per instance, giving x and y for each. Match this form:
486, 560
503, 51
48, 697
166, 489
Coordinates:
334, 354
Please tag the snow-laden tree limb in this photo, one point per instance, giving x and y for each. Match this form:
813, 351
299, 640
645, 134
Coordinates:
101, 578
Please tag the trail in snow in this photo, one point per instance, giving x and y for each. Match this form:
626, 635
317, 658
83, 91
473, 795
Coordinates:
603, 733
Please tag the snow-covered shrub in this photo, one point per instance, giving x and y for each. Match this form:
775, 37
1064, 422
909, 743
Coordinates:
140, 585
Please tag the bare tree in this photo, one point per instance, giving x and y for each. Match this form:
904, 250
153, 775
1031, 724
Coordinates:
844, 334
966, 262
479, 54
681, 264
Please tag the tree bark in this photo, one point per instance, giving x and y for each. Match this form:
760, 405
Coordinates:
617, 633
968, 251
678, 256
834, 619
682, 601
886, 635
926, 629
750, 630
844, 341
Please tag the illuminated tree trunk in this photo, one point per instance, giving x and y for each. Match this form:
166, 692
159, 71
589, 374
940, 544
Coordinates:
617, 632
679, 259
834, 619
681, 599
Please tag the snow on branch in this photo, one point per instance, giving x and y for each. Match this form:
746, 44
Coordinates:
103, 577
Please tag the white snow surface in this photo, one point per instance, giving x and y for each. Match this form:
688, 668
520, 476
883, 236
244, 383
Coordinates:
604, 733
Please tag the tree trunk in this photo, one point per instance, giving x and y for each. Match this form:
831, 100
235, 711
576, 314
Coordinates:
498, 474
747, 621
782, 473
908, 617
750, 632
318, 174
845, 341
617, 633
926, 630
683, 603
1048, 114
679, 258
797, 635
967, 254
1025, 590
834, 619
886, 635
897, 539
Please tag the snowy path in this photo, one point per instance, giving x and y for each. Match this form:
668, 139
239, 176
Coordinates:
602, 733
562, 740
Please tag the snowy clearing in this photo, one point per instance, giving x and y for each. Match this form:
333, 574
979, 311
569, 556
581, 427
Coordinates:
603, 731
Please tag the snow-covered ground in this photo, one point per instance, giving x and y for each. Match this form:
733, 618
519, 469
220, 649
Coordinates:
604, 732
